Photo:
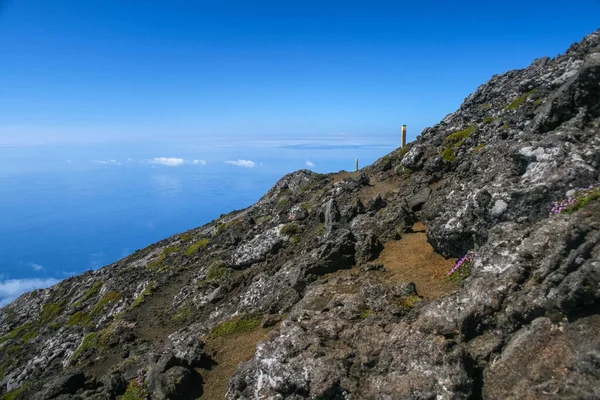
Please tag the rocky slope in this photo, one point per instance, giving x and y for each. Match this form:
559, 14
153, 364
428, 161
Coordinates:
327, 289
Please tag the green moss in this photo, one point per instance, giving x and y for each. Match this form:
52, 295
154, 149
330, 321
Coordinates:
411, 301
217, 271
171, 250
107, 299
5, 367
295, 239
246, 323
448, 154
283, 203
183, 315
15, 394
17, 332
158, 262
12, 350
49, 313
538, 102
264, 220
479, 147
186, 237
30, 335
136, 392
506, 127
54, 327
290, 229
80, 318
92, 291
489, 120
142, 296
461, 135
462, 273
194, 248
487, 106
366, 313
519, 100
90, 342
581, 201
404, 150
221, 228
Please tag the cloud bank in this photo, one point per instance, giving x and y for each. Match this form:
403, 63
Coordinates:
13, 288
169, 162
242, 163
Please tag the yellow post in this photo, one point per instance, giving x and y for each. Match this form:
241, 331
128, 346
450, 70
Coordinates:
357, 165
403, 135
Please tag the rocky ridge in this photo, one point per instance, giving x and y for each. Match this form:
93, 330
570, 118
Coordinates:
301, 272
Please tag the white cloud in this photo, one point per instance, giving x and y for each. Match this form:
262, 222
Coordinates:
13, 288
242, 163
106, 162
309, 164
36, 267
169, 162
199, 162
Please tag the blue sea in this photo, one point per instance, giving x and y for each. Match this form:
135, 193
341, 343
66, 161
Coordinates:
65, 209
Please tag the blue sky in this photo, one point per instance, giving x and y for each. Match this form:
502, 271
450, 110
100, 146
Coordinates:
116, 70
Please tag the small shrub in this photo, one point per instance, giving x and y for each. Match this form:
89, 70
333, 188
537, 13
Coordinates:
107, 299
411, 301
194, 248
246, 323
93, 290
290, 229
404, 150
462, 269
49, 313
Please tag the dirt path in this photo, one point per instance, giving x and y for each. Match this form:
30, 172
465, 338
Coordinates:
229, 352
412, 259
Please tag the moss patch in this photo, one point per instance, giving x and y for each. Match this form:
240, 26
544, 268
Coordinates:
107, 299
246, 323
519, 100
15, 394
479, 147
90, 342
92, 291
142, 296
183, 314
80, 318
448, 154
194, 248
461, 135
49, 313
17, 332
489, 120
290, 229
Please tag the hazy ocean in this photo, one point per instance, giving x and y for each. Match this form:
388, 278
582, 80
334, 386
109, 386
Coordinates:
67, 209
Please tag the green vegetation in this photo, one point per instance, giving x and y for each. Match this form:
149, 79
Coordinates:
80, 318
366, 313
183, 315
158, 262
17, 332
506, 127
90, 342
519, 100
489, 120
5, 367
186, 237
93, 290
404, 150
283, 203
403, 172
15, 394
49, 313
136, 390
411, 301
140, 299
171, 250
295, 239
448, 154
217, 271
461, 274
487, 106
461, 135
479, 147
538, 102
194, 248
107, 299
246, 323
290, 229
264, 220
54, 326
30, 335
